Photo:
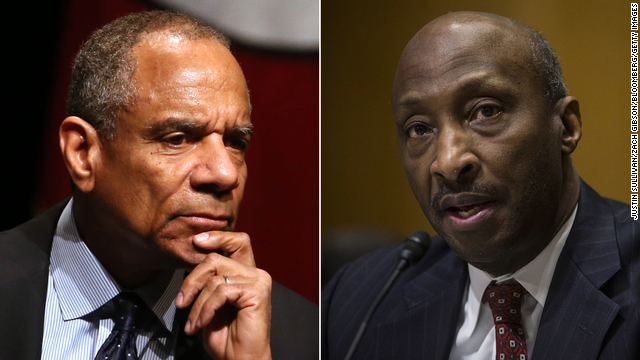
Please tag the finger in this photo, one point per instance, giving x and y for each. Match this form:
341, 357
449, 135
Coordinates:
254, 295
207, 291
213, 264
236, 279
225, 293
236, 244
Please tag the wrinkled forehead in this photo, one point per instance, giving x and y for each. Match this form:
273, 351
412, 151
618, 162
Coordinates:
446, 49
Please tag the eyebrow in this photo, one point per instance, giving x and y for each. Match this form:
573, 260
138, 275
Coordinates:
170, 125
474, 83
244, 130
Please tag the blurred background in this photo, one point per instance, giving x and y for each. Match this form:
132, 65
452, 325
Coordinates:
365, 194
276, 43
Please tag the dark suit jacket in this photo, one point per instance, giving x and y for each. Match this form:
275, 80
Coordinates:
591, 311
24, 266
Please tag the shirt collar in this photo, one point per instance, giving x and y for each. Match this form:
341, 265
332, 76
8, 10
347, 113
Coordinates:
83, 285
535, 277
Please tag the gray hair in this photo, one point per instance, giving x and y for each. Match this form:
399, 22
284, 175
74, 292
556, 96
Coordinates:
102, 79
547, 67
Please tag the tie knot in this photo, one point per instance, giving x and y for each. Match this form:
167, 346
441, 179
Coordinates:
505, 302
128, 308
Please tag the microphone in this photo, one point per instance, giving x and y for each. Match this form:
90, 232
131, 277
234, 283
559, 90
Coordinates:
413, 249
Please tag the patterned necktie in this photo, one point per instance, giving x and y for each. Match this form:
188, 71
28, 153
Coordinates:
505, 306
121, 343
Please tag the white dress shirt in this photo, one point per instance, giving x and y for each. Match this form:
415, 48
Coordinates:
79, 286
475, 336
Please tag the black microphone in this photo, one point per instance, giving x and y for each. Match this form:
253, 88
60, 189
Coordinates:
414, 248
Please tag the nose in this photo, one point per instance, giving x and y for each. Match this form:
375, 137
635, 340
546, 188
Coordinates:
455, 159
216, 170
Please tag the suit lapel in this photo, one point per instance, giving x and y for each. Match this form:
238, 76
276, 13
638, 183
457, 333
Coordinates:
577, 314
24, 260
425, 327
23, 283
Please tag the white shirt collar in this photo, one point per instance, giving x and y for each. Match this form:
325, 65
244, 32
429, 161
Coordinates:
535, 277
83, 285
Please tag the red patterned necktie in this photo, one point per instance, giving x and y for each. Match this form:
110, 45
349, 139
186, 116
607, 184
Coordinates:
505, 301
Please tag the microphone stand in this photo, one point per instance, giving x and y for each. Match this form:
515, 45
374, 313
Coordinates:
415, 246
401, 266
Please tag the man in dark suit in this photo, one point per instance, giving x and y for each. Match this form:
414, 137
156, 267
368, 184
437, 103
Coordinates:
485, 130
157, 128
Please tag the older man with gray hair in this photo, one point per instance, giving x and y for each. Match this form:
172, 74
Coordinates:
143, 261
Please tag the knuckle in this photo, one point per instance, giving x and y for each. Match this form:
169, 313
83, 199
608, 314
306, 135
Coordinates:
264, 281
211, 258
264, 276
209, 306
210, 285
244, 239
189, 284
221, 289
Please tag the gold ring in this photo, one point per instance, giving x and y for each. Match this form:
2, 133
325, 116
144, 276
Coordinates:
226, 279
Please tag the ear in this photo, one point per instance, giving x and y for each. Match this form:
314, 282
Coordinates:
81, 147
568, 109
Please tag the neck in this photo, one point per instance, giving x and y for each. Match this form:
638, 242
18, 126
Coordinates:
117, 250
568, 200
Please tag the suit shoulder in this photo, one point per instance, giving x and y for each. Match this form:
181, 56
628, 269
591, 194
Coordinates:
594, 202
348, 296
388, 256
39, 230
25, 249
294, 325
20, 254
372, 267
627, 229
621, 211
283, 296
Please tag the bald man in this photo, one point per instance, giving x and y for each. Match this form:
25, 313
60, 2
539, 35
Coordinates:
530, 262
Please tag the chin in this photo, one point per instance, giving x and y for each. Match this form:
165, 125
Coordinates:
494, 254
474, 244
177, 250
180, 255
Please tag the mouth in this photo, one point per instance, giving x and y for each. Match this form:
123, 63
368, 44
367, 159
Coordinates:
464, 212
466, 209
201, 222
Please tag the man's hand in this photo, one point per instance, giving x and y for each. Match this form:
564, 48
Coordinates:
235, 316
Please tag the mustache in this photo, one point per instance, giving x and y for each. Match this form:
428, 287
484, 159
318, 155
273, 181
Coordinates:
476, 188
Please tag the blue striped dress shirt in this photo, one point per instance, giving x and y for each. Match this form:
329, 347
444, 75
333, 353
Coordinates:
75, 323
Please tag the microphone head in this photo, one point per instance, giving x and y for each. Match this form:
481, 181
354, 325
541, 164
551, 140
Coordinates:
415, 246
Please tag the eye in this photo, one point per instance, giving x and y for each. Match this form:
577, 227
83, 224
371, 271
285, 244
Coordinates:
486, 112
418, 130
239, 143
175, 139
